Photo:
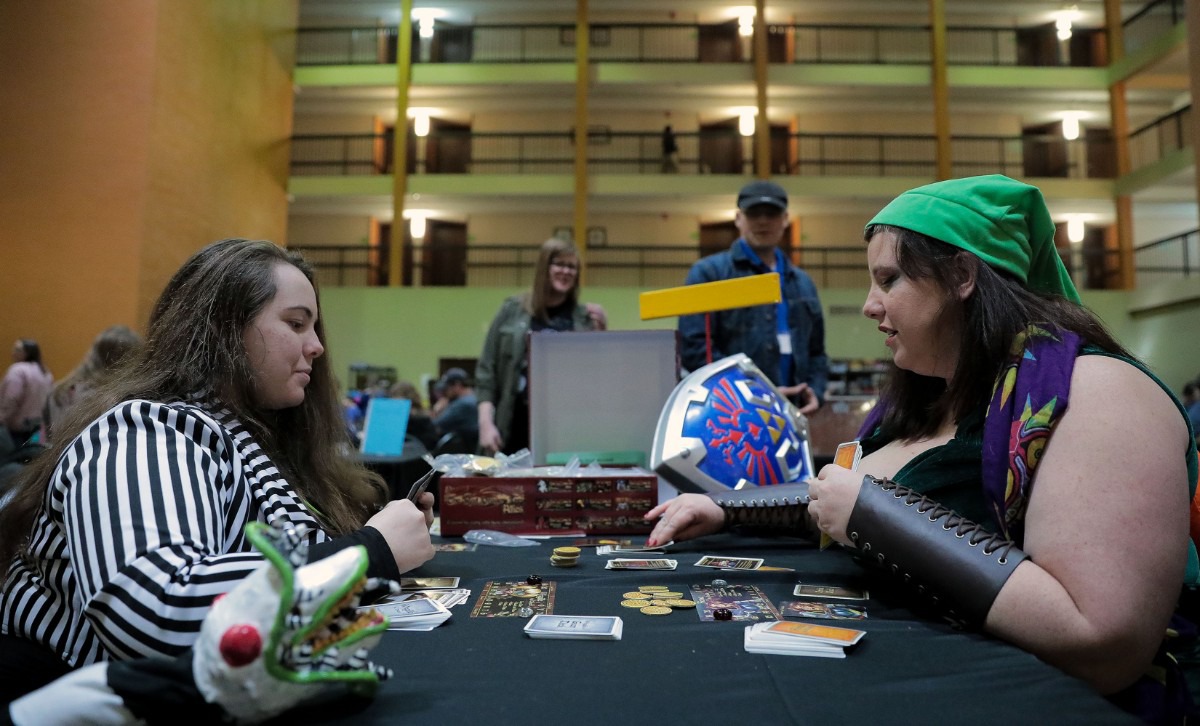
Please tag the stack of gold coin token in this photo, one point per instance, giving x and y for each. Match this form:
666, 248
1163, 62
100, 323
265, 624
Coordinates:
655, 600
565, 557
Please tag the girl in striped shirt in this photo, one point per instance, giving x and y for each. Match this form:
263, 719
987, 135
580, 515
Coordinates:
120, 536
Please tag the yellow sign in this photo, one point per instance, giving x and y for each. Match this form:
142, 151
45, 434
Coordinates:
710, 297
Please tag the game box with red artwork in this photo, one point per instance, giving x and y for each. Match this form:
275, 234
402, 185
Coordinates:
609, 501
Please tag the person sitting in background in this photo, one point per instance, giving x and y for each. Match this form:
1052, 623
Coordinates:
997, 480
501, 383
23, 391
118, 539
420, 423
460, 416
112, 345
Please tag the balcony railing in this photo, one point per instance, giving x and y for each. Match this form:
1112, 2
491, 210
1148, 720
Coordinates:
1150, 22
647, 266
1169, 258
689, 43
1161, 137
716, 151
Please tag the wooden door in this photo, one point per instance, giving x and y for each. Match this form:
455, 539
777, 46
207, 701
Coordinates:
1038, 46
720, 148
448, 148
1044, 151
720, 43
781, 157
1101, 152
452, 43
445, 254
716, 237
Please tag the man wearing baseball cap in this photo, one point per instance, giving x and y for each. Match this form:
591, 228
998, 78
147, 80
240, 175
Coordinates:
459, 415
787, 340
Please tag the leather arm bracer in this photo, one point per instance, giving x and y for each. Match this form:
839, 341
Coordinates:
767, 511
955, 562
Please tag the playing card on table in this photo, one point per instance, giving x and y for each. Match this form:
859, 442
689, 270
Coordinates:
822, 610
631, 548
414, 614
601, 542
620, 563
820, 633
504, 599
758, 639
455, 547
729, 563
574, 627
428, 583
449, 598
744, 602
837, 592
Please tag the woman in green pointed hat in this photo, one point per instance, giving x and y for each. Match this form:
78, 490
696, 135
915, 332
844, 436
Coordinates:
1024, 472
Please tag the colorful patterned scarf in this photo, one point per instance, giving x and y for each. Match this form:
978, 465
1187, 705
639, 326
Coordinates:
1029, 396
1027, 401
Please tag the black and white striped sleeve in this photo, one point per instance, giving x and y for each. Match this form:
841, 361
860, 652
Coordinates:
150, 511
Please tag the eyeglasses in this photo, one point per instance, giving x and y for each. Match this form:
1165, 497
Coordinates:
565, 266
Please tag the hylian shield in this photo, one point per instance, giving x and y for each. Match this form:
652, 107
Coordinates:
726, 426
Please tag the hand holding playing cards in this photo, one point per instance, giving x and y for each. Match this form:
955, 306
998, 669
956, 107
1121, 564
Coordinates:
405, 528
831, 500
684, 517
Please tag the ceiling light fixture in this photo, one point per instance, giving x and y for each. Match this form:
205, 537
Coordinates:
746, 22
1075, 228
746, 123
1070, 126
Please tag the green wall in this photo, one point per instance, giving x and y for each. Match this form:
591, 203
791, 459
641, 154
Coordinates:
411, 328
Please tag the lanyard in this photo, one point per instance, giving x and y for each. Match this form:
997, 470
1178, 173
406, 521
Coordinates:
782, 332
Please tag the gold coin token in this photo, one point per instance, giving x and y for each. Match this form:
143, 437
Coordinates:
656, 610
556, 558
681, 603
668, 594
633, 603
653, 588
571, 563
635, 596
660, 603
567, 551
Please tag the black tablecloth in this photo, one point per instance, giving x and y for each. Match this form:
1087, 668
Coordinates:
678, 669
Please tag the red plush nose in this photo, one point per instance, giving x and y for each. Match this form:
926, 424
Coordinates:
240, 645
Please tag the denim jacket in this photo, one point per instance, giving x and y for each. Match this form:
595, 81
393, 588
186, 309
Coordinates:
751, 330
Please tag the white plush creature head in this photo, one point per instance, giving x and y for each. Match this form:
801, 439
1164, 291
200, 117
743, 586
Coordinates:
290, 631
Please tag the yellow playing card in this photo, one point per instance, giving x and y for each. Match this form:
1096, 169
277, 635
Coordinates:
847, 455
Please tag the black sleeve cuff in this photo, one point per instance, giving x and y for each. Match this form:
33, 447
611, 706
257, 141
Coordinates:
158, 690
379, 554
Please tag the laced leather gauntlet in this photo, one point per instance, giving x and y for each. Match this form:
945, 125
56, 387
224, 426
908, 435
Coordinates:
767, 511
955, 563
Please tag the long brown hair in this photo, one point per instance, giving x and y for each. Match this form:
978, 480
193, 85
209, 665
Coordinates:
194, 347
535, 300
989, 318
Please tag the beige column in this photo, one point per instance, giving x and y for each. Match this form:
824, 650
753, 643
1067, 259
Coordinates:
941, 89
400, 144
762, 126
1119, 124
582, 78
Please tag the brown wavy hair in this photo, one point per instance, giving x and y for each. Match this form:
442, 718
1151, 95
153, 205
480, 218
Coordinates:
999, 308
535, 300
194, 348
